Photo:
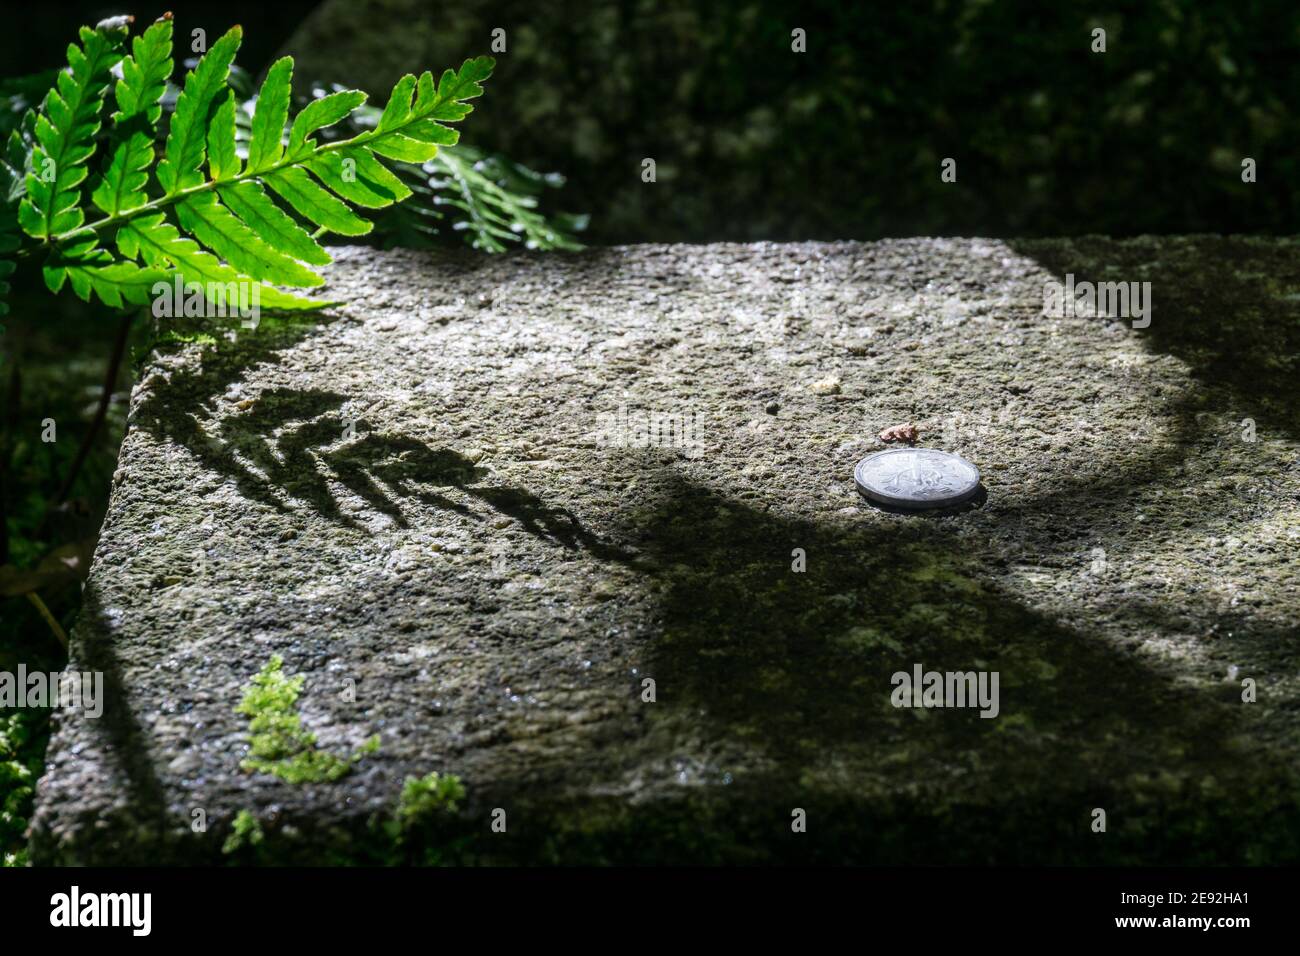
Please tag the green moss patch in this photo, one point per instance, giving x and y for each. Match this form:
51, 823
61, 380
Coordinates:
279, 744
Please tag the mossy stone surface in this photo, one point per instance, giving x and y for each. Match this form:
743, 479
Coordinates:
413, 497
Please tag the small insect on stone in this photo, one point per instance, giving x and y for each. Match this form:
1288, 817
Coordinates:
907, 434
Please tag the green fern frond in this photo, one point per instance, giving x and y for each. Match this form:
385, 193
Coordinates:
88, 269
139, 104
488, 199
494, 214
65, 133
249, 202
226, 199
187, 139
272, 113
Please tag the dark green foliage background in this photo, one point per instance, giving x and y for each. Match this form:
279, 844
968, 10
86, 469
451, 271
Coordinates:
845, 141
753, 141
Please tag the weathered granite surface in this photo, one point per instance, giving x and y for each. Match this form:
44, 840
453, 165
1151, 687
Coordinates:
413, 492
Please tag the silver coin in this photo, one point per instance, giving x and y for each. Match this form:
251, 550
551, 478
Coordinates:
916, 478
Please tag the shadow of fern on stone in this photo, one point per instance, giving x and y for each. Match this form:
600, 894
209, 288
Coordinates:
292, 448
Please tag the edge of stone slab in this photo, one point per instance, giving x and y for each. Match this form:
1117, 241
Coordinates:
702, 828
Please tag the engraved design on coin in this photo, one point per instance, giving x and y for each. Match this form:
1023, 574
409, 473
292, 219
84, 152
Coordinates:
916, 478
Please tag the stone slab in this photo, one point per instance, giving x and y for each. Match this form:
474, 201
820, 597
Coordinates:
444, 493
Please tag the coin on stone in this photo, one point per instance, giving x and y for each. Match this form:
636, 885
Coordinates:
916, 478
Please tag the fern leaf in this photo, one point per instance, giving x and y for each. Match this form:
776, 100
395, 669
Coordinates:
116, 283
222, 159
463, 85
124, 181
249, 202
187, 139
499, 201
323, 112
375, 174
408, 131
272, 112
408, 150
65, 134
398, 110
88, 268
139, 96
160, 244
489, 200
312, 202
144, 74
363, 182
215, 226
